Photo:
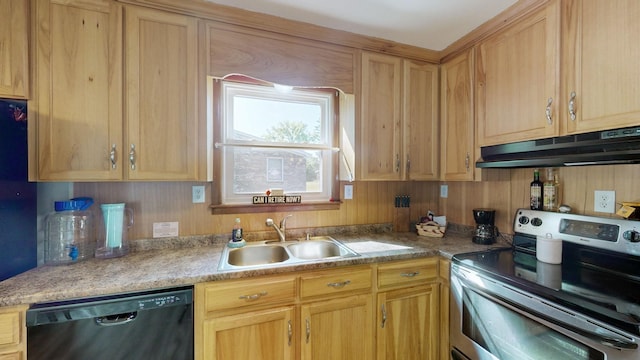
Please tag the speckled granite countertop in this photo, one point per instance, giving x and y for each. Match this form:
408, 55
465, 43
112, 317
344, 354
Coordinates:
188, 265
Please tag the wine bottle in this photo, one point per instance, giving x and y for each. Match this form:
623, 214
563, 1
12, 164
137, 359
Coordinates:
550, 192
535, 190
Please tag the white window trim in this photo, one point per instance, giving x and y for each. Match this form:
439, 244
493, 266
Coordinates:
230, 89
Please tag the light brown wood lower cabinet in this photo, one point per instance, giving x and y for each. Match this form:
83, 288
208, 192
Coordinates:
337, 328
265, 334
444, 266
324, 314
407, 325
13, 333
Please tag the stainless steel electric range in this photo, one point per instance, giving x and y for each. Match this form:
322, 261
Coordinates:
506, 304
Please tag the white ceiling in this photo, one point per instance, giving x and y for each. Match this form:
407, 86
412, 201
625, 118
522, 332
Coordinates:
430, 24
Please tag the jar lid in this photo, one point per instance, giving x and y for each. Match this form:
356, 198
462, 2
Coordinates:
81, 203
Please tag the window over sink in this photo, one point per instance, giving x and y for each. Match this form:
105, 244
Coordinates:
270, 136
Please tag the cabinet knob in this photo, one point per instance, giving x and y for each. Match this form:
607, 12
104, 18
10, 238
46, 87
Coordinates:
548, 111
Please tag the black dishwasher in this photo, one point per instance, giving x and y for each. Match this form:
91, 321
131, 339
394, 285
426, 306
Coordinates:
143, 325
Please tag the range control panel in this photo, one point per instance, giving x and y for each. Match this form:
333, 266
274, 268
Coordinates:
606, 233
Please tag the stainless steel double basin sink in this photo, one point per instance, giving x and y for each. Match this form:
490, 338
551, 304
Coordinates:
266, 254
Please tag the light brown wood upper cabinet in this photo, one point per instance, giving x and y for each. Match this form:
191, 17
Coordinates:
457, 118
161, 71
101, 118
398, 124
600, 64
517, 80
77, 105
14, 49
598, 77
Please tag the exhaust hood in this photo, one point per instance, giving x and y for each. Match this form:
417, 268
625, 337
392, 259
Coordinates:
610, 147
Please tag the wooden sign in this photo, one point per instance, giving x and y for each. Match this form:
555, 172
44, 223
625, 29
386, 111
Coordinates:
284, 199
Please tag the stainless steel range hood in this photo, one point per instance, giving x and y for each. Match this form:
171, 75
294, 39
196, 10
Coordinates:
620, 146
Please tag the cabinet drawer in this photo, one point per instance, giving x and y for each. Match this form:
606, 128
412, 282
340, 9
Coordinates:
9, 328
335, 282
245, 293
408, 273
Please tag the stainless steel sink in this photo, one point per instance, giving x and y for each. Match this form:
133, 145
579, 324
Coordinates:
318, 249
257, 255
274, 253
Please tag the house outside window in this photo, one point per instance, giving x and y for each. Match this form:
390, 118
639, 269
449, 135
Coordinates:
276, 139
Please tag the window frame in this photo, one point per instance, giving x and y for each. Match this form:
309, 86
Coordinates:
215, 104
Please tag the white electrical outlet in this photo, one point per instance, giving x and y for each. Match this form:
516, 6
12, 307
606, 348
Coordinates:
348, 192
444, 191
604, 201
197, 193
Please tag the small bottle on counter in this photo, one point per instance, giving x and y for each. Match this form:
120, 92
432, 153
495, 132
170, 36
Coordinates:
236, 234
550, 191
535, 191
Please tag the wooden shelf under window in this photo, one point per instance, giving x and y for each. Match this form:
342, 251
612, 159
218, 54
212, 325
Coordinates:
262, 208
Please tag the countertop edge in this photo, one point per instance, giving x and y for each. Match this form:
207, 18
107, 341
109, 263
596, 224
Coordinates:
167, 268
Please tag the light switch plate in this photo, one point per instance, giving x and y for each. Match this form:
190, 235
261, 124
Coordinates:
444, 191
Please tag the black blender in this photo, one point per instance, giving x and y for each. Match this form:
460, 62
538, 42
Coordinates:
486, 231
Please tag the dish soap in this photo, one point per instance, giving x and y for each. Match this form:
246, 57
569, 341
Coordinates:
236, 234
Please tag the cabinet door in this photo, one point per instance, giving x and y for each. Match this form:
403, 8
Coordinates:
161, 85
457, 125
517, 79
14, 37
407, 325
445, 289
379, 130
78, 102
13, 333
600, 65
265, 335
337, 329
420, 119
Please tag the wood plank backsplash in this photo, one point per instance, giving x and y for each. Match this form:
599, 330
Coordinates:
373, 202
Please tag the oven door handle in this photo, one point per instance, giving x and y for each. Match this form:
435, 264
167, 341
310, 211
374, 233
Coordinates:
616, 343
609, 341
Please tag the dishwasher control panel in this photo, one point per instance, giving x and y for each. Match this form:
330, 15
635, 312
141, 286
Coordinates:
160, 301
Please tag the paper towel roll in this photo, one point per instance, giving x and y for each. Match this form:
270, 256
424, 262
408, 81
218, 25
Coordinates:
549, 250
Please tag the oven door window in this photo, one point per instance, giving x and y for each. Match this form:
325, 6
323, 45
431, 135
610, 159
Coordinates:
509, 335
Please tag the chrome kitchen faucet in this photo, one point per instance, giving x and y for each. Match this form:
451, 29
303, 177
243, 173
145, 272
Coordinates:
280, 230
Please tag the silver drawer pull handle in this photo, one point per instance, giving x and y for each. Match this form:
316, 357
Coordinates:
112, 156
411, 274
253, 297
132, 157
339, 285
572, 106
